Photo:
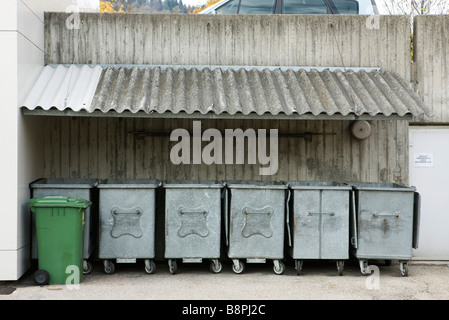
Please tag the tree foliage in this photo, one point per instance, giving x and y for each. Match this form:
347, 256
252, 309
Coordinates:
144, 6
111, 6
416, 7
198, 9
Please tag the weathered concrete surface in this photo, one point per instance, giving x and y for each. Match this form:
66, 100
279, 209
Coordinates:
257, 40
103, 148
319, 281
431, 45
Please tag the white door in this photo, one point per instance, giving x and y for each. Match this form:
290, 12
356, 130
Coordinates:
429, 173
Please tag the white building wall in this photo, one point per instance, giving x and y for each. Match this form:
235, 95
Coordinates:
429, 172
21, 60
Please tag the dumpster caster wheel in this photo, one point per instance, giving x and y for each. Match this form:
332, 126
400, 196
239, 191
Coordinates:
340, 266
278, 267
363, 267
150, 267
404, 269
109, 267
87, 267
41, 277
298, 266
172, 266
215, 266
238, 266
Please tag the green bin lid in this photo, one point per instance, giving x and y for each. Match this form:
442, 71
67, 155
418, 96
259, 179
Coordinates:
59, 202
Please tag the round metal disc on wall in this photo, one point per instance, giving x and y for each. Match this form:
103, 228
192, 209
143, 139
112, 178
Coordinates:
361, 129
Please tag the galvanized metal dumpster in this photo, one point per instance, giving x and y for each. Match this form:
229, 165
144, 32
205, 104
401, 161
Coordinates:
385, 223
127, 222
320, 222
70, 188
256, 223
193, 211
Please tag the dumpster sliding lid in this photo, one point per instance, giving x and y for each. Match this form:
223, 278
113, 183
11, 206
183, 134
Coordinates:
64, 183
318, 185
256, 185
176, 184
129, 184
380, 186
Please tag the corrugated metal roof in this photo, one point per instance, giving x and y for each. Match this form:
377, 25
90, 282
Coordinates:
227, 90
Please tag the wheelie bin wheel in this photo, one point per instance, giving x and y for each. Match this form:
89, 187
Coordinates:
340, 267
238, 268
109, 267
279, 267
215, 266
87, 267
172, 266
363, 267
150, 266
41, 277
298, 266
404, 269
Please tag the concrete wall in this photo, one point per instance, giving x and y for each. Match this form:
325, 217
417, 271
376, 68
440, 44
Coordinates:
107, 148
270, 40
431, 40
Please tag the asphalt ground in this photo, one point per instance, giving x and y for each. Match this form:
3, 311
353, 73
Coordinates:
319, 280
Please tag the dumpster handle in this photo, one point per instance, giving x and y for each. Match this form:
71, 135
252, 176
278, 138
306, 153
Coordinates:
197, 211
225, 196
137, 212
416, 219
332, 214
354, 218
395, 214
288, 218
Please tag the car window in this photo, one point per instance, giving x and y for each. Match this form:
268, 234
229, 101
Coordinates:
230, 7
257, 7
305, 7
346, 6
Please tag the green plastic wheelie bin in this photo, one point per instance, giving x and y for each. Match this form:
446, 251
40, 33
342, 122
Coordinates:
60, 239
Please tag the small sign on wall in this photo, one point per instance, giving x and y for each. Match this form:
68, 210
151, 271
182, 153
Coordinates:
423, 160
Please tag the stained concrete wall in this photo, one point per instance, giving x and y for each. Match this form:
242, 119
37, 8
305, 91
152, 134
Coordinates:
103, 148
268, 40
431, 55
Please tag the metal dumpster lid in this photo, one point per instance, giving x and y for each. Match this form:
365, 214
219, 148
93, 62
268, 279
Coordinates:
318, 185
129, 183
64, 183
380, 186
256, 185
172, 184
